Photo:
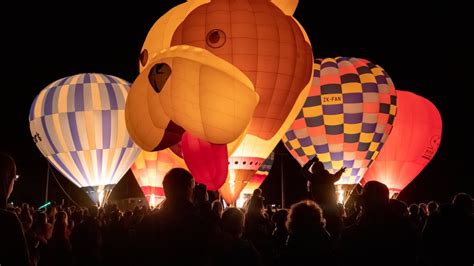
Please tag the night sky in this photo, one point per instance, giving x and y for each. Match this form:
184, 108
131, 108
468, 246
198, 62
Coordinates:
425, 49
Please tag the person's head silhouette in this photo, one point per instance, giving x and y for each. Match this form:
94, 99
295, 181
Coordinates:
463, 203
178, 185
7, 177
374, 195
257, 192
305, 217
317, 167
233, 221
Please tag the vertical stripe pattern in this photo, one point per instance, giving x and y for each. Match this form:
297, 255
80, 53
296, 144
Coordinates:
78, 124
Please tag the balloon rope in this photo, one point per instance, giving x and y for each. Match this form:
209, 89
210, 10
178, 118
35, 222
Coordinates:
59, 184
46, 194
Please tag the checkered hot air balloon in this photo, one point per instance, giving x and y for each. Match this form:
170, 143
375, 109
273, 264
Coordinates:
78, 124
414, 140
149, 169
346, 118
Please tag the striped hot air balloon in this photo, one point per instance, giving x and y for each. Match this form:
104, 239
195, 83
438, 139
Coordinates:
346, 118
149, 169
78, 124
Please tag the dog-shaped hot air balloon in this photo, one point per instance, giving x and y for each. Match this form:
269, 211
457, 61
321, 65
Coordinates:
219, 69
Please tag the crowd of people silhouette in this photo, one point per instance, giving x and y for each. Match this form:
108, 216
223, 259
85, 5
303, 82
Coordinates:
188, 229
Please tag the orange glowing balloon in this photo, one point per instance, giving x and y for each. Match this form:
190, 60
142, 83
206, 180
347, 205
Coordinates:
149, 169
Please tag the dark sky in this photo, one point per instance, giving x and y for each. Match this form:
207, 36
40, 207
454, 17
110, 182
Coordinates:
425, 49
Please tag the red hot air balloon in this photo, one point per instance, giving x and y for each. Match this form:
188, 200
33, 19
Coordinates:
414, 140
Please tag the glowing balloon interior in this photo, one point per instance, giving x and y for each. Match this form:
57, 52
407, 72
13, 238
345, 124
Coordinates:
78, 124
346, 118
414, 140
149, 169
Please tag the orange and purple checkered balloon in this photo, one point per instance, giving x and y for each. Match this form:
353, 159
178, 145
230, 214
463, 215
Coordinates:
346, 118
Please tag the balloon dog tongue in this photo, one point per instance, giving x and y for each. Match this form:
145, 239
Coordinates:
207, 162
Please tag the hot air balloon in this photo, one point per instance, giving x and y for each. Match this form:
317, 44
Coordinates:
414, 140
149, 169
346, 118
241, 171
78, 124
258, 178
219, 69
208, 70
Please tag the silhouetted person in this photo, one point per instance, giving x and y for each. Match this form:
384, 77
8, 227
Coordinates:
38, 236
280, 233
323, 192
58, 251
51, 212
414, 216
398, 207
423, 212
432, 207
380, 236
322, 183
258, 228
256, 193
201, 202
26, 218
308, 242
13, 247
235, 251
116, 242
216, 212
448, 234
86, 239
175, 234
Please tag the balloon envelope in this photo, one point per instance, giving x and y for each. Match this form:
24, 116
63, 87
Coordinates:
259, 176
346, 118
78, 124
214, 75
414, 140
149, 169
